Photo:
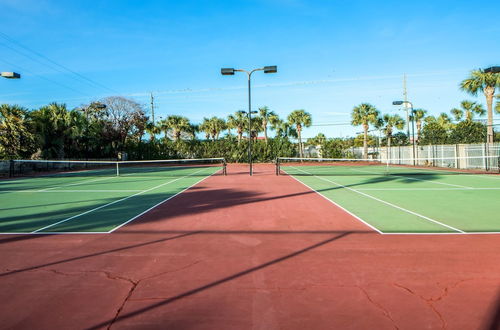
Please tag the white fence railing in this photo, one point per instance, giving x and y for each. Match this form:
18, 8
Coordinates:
462, 156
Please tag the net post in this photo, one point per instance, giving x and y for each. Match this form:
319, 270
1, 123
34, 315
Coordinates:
117, 169
224, 166
277, 166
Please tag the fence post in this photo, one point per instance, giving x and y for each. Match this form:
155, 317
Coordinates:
11, 168
486, 165
457, 160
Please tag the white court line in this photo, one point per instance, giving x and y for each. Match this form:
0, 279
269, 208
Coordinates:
64, 191
384, 202
416, 179
426, 189
339, 206
158, 204
77, 183
114, 202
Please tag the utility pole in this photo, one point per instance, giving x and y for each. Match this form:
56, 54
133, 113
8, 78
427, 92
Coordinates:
152, 108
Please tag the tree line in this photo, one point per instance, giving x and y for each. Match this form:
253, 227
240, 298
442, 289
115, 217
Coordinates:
113, 125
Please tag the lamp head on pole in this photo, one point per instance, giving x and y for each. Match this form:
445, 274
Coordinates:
397, 102
271, 69
10, 75
493, 69
227, 71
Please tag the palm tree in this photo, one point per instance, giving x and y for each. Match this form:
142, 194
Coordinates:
213, 126
152, 129
391, 122
205, 128
418, 116
176, 125
468, 110
15, 136
192, 130
265, 115
52, 124
318, 140
364, 114
486, 82
445, 121
300, 118
379, 126
282, 128
239, 122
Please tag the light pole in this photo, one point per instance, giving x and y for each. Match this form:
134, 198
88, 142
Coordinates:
230, 72
412, 123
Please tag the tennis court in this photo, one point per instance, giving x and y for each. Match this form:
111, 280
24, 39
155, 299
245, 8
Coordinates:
93, 197
239, 251
405, 199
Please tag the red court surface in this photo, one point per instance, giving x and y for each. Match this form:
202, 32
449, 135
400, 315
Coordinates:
241, 252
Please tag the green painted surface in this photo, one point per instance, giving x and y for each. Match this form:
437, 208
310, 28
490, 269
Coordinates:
407, 203
94, 203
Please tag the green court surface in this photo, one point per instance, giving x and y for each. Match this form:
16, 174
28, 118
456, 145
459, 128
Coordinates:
409, 200
87, 201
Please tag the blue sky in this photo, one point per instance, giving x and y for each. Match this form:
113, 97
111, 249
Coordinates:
331, 55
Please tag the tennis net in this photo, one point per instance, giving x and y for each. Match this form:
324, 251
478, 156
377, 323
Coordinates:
170, 167
399, 166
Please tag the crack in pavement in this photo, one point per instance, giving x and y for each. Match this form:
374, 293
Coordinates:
429, 301
111, 276
377, 305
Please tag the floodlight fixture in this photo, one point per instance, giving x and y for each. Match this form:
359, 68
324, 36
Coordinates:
227, 71
493, 69
10, 75
397, 102
270, 69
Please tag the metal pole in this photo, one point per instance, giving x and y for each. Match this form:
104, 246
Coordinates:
413, 133
249, 125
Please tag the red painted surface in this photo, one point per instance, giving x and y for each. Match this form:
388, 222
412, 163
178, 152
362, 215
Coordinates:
241, 252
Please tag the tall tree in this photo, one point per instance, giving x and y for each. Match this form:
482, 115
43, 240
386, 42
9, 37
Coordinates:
238, 121
192, 130
442, 120
299, 119
120, 116
467, 110
175, 125
53, 127
212, 127
418, 116
364, 114
486, 82
391, 122
282, 128
15, 137
152, 129
265, 114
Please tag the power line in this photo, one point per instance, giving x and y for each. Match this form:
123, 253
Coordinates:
54, 63
43, 77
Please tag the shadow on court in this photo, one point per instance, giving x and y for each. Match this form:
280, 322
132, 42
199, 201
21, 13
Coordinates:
116, 214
